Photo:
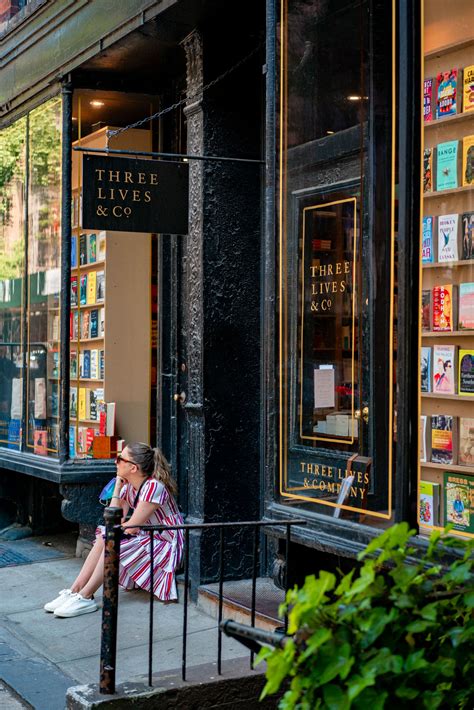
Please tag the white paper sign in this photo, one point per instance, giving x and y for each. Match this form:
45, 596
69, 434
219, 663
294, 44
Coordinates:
324, 394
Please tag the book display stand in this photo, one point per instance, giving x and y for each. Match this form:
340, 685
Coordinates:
447, 356
110, 323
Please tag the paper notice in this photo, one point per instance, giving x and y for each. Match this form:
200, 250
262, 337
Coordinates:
324, 390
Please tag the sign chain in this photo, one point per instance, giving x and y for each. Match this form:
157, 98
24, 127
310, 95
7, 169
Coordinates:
172, 107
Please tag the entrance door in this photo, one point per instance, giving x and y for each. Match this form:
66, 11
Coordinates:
337, 258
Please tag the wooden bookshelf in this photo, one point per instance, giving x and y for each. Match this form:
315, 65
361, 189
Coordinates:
449, 120
446, 193
455, 397
448, 467
87, 267
449, 264
447, 334
449, 49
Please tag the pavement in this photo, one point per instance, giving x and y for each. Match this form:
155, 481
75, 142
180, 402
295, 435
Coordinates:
41, 655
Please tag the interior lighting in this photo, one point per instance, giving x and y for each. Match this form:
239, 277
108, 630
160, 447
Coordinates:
96, 103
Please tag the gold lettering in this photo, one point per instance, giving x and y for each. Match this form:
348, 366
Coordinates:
112, 193
141, 178
338, 268
123, 193
343, 286
136, 195
347, 267
153, 179
100, 171
114, 175
334, 286
147, 195
366, 478
330, 270
128, 176
100, 194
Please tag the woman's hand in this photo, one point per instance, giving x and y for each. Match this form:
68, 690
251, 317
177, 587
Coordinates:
141, 515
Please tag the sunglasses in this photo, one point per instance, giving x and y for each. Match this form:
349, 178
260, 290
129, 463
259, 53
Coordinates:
121, 458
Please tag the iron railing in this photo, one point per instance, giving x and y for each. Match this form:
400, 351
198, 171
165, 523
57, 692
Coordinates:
114, 533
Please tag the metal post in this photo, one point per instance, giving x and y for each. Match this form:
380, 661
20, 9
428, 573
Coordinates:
108, 646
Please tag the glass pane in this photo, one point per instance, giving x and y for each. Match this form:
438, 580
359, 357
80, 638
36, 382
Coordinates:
337, 257
44, 278
446, 489
12, 245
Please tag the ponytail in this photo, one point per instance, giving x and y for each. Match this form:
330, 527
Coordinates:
152, 462
162, 472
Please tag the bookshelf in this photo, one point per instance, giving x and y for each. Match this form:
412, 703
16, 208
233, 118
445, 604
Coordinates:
447, 48
110, 339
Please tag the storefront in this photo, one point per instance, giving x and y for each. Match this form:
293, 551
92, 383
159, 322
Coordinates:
273, 350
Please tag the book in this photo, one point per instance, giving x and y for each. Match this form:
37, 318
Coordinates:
89, 440
55, 326
40, 442
92, 405
101, 322
110, 419
444, 308
468, 161
53, 400
86, 368
426, 310
443, 439
83, 249
425, 365
91, 288
53, 437
428, 170
466, 441
83, 290
73, 328
73, 290
466, 372
14, 434
100, 287
81, 364
16, 407
429, 507
94, 324
466, 306
82, 406
73, 364
40, 398
72, 442
73, 251
448, 237
447, 165
85, 325
444, 370
428, 99
468, 89
91, 248
101, 246
427, 250
467, 234
458, 501
101, 364
425, 438
73, 402
53, 364
94, 363
447, 93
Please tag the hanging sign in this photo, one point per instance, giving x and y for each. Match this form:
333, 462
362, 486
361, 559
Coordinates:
133, 195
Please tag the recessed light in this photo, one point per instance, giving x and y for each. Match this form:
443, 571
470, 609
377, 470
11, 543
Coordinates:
96, 103
330, 133
357, 98
74, 118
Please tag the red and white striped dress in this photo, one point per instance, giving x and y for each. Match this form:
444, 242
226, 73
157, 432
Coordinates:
135, 569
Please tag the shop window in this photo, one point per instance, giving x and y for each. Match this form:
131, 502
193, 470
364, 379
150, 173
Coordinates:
446, 481
337, 259
12, 274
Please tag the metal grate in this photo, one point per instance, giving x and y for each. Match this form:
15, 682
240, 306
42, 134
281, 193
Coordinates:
24, 552
9, 558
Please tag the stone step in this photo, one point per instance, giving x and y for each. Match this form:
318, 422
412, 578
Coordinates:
237, 602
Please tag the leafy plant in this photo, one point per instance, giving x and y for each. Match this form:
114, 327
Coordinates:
398, 632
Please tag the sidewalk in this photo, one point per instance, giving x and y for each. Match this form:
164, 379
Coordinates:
41, 655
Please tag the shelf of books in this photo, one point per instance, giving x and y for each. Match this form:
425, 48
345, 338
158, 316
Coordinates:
110, 325
446, 489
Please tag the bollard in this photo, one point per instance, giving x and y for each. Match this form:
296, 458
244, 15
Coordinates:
108, 646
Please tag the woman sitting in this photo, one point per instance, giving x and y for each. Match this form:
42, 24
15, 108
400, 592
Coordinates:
149, 490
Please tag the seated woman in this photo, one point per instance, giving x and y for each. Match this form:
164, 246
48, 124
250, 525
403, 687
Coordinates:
149, 490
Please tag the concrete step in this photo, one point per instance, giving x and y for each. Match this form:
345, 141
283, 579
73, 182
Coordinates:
237, 597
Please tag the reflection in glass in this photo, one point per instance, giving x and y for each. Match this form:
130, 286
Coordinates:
12, 184
44, 255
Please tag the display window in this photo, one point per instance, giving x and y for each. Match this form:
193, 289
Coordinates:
446, 473
113, 304
337, 259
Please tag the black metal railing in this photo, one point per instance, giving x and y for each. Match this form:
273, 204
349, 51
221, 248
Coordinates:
114, 533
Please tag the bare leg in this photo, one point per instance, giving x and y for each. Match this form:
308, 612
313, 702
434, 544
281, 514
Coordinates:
96, 579
89, 565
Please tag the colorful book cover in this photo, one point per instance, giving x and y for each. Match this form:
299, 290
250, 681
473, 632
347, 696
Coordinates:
53, 399
425, 365
466, 441
73, 402
14, 434
426, 310
53, 437
443, 308
81, 364
73, 321
73, 251
442, 439
72, 442
468, 89
82, 407
466, 372
444, 371
447, 165
466, 307
427, 251
458, 501
94, 323
93, 413
468, 161
100, 287
428, 99
448, 228
428, 170
83, 290
73, 290
85, 325
101, 246
101, 322
40, 442
446, 103
429, 504
91, 248
425, 438
94, 364
467, 235
73, 364
86, 368
83, 249
90, 434
101, 364
40, 398
91, 288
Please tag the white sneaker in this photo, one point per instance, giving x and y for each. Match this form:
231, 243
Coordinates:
64, 595
75, 606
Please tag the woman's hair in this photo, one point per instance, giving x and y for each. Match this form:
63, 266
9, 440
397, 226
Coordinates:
153, 463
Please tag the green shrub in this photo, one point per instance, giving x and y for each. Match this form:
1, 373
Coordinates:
399, 632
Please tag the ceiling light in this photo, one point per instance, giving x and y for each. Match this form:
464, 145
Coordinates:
330, 133
96, 104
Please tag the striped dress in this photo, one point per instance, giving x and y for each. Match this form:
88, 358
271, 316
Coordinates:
167, 545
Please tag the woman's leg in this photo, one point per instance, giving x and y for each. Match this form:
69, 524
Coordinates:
89, 565
95, 580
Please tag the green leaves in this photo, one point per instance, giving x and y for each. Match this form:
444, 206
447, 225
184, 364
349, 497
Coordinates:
400, 627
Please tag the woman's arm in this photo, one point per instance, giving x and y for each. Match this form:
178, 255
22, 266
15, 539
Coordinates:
140, 516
